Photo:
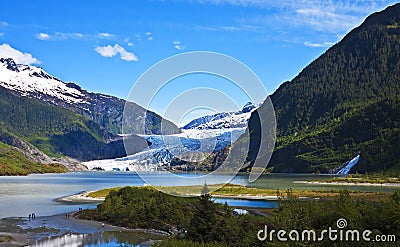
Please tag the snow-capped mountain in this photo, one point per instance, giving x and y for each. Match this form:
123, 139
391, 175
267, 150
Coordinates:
33, 81
202, 137
223, 120
107, 111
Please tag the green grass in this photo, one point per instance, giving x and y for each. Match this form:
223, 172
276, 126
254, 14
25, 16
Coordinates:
13, 162
232, 190
44, 145
102, 193
365, 178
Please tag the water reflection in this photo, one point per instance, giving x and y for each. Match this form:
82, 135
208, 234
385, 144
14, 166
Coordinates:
102, 239
246, 203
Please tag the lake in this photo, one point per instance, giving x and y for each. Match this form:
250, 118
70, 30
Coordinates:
22, 195
100, 239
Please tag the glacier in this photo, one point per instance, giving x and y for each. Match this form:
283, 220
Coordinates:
190, 144
198, 139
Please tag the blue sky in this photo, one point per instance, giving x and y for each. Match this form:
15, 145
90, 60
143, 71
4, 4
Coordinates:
104, 46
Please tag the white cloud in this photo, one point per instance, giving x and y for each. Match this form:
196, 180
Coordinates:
178, 45
111, 51
361, 6
1, 34
6, 51
230, 28
128, 56
241, 27
64, 36
304, 19
128, 42
107, 51
149, 36
326, 19
43, 36
3, 24
78, 35
314, 44
137, 36
105, 35
57, 36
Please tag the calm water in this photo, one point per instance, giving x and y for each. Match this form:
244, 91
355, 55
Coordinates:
247, 203
100, 239
20, 196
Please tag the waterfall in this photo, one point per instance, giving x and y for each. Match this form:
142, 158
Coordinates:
346, 169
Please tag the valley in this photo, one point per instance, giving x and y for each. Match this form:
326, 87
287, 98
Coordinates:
326, 116
99, 170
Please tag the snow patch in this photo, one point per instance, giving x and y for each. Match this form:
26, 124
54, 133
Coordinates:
27, 80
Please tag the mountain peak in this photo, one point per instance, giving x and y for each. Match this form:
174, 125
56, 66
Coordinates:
388, 16
10, 63
35, 71
33, 81
248, 107
223, 120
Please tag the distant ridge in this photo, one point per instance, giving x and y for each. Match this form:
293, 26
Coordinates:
223, 120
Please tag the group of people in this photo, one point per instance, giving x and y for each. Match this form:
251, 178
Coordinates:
32, 216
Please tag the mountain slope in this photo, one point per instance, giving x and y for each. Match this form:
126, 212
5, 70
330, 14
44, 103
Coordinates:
343, 103
58, 132
13, 162
107, 111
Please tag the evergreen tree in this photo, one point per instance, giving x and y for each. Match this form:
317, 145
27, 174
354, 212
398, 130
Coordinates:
204, 219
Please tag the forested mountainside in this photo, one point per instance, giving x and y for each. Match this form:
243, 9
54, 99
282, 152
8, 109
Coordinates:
45, 120
344, 103
55, 131
105, 110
